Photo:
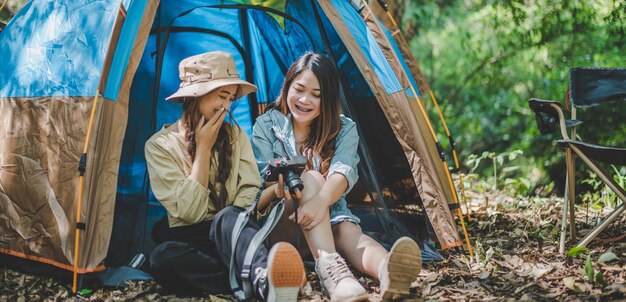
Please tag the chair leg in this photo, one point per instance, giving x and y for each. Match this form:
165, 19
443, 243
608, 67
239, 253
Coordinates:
599, 228
621, 194
564, 219
571, 191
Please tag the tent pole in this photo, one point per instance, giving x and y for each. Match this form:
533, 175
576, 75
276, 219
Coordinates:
3, 4
80, 226
454, 154
442, 155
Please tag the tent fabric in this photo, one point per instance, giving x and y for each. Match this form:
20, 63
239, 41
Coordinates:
102, 177
124, 48
435, 209
43, 141
385, 46
402, 45
54, 48
131, 51
40, 146
365, 41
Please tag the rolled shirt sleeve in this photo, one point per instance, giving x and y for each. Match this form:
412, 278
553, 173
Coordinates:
346, 158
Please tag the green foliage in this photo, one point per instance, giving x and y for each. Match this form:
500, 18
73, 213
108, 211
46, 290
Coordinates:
485, 59
601, 196
592, 276
577, 251
501, 172
589, 271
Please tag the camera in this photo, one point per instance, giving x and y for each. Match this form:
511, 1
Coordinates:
290, 168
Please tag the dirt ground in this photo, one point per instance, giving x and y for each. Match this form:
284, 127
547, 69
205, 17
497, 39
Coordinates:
515, 245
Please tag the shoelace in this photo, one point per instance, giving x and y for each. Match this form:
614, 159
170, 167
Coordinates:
338, 269
260, 277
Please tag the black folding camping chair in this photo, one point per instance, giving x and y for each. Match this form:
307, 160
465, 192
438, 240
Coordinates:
588, 87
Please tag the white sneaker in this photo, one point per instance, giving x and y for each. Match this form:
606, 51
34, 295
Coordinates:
285, 273
337, 279
400, 269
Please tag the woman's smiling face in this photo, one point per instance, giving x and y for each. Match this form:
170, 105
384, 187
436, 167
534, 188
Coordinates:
303, 98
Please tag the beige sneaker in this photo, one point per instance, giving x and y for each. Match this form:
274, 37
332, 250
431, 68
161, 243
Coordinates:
400, 269
337, 279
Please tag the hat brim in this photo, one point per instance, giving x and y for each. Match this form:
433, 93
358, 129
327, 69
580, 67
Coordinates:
202, 88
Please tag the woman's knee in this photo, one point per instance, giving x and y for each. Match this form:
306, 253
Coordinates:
313, 178
313, 182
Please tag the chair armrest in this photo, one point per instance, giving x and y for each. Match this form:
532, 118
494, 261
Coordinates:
539, 105
550, 113
547, 116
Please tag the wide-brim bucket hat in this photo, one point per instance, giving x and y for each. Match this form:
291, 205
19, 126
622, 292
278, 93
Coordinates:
203, 73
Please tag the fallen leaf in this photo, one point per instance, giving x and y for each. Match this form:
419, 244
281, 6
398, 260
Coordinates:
514, 261
607, 257
540, 270
521, 288
484, 275
570, 282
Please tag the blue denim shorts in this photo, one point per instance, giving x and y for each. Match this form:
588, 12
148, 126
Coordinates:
339, 213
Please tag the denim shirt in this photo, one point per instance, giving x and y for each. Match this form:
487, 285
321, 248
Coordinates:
267, 146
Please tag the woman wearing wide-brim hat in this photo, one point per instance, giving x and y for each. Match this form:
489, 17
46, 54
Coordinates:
204, 173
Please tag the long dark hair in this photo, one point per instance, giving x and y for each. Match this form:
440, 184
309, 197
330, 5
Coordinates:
191, 118
324, 128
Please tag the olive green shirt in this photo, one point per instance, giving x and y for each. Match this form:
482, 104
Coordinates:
187, 201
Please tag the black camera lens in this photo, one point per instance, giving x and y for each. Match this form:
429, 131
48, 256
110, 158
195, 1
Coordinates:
293, 181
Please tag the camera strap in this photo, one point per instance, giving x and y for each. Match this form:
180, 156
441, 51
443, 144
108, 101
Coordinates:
284, 142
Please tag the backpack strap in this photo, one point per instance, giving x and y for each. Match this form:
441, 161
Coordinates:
245, 291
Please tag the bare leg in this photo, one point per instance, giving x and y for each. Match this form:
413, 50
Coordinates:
363, 252
319, 238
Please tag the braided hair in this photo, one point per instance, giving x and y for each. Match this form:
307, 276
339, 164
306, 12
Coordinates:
191, 117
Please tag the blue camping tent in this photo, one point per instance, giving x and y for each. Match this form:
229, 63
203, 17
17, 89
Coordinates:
83, 84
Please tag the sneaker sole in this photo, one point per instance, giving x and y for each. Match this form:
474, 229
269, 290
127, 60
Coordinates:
285, 271
364, 297
405, 264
